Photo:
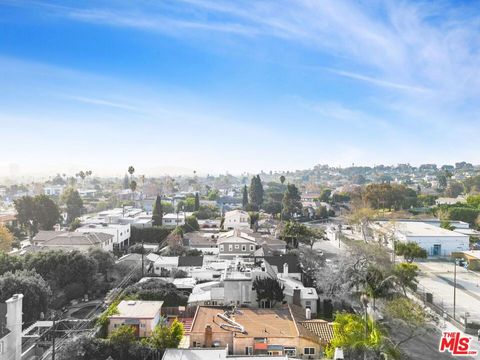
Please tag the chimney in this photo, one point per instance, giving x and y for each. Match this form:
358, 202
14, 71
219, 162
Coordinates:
208, 336
14, 322
308, 313
296, 297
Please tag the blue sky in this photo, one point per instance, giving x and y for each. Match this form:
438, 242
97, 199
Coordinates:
237, 86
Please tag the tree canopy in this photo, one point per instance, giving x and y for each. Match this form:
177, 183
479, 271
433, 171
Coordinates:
291, 202
410, 251
157, 214
74, 204
256, 192
268, 289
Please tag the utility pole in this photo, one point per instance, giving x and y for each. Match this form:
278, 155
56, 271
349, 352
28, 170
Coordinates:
53, 338
454, 286
143, 254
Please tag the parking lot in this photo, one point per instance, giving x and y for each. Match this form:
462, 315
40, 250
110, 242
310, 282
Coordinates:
438, 278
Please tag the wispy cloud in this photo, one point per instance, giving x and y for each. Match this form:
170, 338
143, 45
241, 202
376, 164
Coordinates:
378, 82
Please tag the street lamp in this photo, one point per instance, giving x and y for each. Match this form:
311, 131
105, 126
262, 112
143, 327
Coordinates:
454, 286
364, 300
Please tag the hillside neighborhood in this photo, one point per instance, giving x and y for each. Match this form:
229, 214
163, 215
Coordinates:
273, 268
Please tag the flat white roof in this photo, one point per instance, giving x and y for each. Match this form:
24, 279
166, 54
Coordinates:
423, 229
138, 309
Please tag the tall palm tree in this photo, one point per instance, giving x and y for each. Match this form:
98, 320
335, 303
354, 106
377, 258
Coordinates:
131, 170
133, 187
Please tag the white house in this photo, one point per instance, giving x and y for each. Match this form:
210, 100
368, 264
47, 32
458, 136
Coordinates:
120, 233
236, 219
68, 241
174, 219
54, 190
11, 328
435, 240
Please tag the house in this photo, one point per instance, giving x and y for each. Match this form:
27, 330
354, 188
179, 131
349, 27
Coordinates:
11, 328
210, 354
163, 265
435, 240
235, 243
236, 286
8, 219
53, 190
174, 219
120, 232
256, 332
143, 316
205, 242
236, 219
68, 241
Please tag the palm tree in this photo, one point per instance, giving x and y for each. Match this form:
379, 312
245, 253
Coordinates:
133, 187
131, 170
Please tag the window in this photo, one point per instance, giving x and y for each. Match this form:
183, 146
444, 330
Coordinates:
221, 247
142, 325
252, 247
290, 351
308, 303
244, 247
237, 247
1, 347
309, 351
248, 350
230, 247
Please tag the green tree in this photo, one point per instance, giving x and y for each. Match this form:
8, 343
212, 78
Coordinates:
349, 334
197, 202
268, 289
10, 263
35, 290
256, 192
325, 195
410, 251
253, 216
291, 202
191, 224
245, 197
6, 239
445, 224
157, 214
405, 275
74, 204
454, 189
282, 179
474, 201
46, 212
26, 214
165, 337
104, 260
122, 339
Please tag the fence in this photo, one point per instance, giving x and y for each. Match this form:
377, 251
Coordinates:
444, 309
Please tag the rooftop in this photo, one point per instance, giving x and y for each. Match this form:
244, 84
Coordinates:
138, 309
424, 229
257, 322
